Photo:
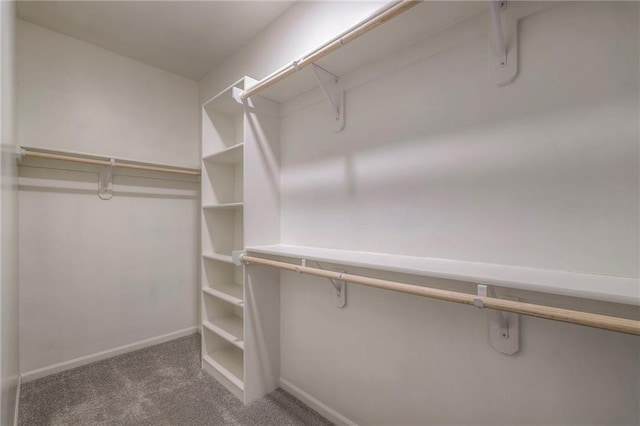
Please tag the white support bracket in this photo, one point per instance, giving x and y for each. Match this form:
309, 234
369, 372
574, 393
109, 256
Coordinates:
503, 44
334, 94
237, 257
504, 328
20, 154
340, 287
105, 184
236, 94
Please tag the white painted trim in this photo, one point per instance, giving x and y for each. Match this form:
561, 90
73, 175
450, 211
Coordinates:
16, 409
88, 359
326, 411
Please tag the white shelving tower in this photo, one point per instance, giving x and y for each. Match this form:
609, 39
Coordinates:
240, 323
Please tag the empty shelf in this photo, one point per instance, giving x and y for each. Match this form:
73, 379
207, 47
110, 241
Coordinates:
229, 328
228, 362
230, 293
223, 206
231, 155
218, 257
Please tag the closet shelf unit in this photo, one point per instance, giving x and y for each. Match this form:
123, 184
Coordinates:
606, 288
222, 297
235, 137
227, 363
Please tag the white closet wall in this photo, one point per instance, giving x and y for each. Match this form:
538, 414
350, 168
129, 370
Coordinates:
437, 161
303, 27
9, 217
98, 275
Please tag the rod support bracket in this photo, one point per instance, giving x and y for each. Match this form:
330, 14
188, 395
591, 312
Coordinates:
237, 256
340, 294
503, 44
105, 184
333, 92
339, 286
20, 154
504, 328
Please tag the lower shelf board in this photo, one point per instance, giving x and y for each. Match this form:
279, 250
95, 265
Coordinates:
231, 293
229, 363
219, 257
229, 328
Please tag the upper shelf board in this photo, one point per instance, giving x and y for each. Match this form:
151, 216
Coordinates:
224, 102
575, 284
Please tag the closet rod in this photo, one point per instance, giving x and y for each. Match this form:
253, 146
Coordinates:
605, 322
380, 17
107, 162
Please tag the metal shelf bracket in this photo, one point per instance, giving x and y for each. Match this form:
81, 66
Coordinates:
504, 328
340, 287
334, 94
503, 44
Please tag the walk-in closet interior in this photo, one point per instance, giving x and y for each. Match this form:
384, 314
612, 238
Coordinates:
320, 212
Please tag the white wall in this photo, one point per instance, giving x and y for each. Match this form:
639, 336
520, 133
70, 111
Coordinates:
437, 161
96, 275
86, 98
8, 218
297, 31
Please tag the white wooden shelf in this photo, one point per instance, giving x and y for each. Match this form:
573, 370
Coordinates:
576, 284
229, 328
230, 293
219, 257
231, 155
223, 206
229, 363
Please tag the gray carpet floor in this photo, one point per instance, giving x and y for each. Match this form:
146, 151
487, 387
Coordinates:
159, 385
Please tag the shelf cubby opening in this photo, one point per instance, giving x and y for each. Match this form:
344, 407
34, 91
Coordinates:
224, 281
224, 319
220, 131
222, 231
224, 183
225, 358
230, 155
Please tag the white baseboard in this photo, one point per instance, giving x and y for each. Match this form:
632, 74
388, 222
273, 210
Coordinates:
326, 411
77, 362
16, 409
